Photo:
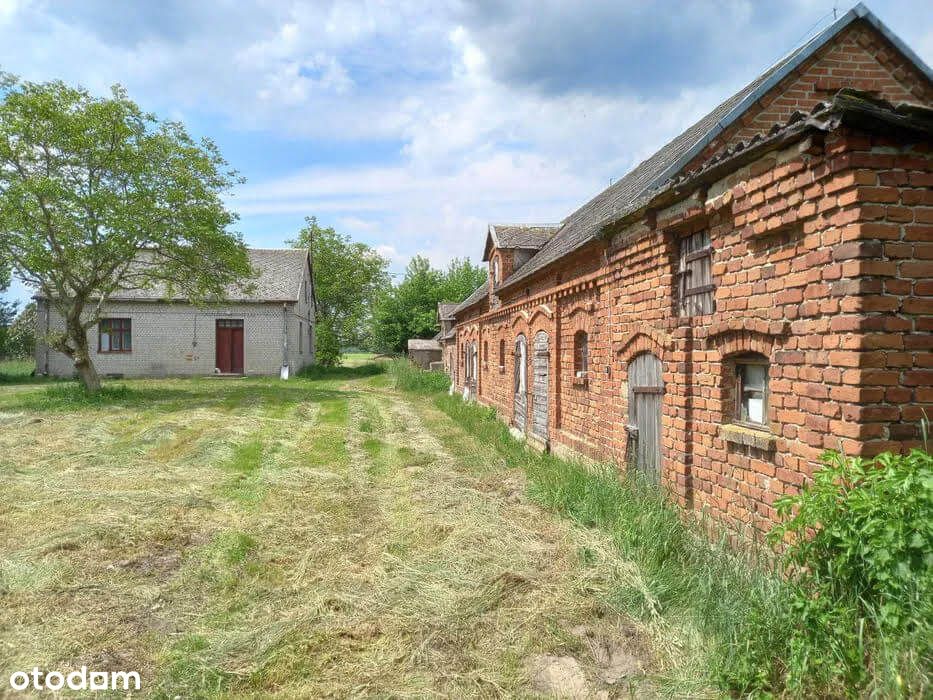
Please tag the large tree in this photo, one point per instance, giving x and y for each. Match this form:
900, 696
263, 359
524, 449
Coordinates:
21, 337
348, 277
97, 195
410, 309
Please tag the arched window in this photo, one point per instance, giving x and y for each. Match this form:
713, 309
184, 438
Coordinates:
502, 353
495, 270
751, 389
581, 354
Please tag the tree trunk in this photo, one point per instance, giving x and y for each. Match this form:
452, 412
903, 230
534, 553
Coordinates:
77, 334
87, 374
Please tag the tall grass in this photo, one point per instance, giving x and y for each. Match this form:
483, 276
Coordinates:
752, 636
408, 377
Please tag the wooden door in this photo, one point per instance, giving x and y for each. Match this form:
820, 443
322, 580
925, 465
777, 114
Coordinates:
540, 377
520, 382
646, 392
229, 346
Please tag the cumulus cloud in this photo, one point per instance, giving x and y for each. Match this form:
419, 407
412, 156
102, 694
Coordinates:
516, 111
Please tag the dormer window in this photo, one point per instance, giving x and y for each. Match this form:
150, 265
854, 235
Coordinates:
495, 271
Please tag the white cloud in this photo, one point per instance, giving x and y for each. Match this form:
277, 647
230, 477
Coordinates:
474, 146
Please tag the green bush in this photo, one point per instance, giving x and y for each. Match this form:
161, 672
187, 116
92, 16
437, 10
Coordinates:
860, 563
409, 377
326, 345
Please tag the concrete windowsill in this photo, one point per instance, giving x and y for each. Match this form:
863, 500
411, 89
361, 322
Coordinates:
751, 437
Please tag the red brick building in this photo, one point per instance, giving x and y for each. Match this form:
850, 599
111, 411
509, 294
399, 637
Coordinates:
759, 290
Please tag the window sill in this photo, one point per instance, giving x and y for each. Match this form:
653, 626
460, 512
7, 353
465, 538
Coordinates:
501, 369
759, 438
580, 382
114, 352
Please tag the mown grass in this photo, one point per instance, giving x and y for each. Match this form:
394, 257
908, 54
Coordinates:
729, 613
253, 538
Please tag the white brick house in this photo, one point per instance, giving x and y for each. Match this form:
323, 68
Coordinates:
252, 332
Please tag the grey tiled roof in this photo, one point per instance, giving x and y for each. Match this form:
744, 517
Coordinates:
525, 236
585, 224
477, 296
445, 311
280, 272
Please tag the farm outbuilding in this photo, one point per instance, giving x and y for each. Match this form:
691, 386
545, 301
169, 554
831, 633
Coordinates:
423, 352
756, 292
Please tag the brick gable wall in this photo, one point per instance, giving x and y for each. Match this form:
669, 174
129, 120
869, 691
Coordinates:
858, 58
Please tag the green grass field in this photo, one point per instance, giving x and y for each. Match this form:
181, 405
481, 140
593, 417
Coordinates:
320, 537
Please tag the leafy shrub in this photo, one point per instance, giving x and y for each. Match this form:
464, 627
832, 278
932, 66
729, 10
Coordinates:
409, 377
326, 345
859, 558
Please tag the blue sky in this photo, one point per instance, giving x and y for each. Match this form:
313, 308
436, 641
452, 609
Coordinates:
411, 125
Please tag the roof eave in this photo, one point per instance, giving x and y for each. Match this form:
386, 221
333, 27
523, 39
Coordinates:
804, 53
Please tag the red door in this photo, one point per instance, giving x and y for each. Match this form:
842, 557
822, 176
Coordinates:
229, 335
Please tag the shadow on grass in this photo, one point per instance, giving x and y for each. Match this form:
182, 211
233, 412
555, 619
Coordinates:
71, 396
370, 369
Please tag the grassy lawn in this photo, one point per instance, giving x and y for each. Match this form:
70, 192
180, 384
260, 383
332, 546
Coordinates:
16, 370
329, 536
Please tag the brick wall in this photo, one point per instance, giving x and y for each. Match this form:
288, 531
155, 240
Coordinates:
822, 259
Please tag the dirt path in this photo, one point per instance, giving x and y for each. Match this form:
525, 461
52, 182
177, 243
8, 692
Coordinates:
493, 594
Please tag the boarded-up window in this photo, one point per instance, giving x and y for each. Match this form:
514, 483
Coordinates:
114, 335
581, 354
485, 352
502, 353
695, 275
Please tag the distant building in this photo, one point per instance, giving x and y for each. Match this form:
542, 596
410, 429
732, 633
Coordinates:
253, 332
424, 352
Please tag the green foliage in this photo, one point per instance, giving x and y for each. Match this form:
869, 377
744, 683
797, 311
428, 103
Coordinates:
860, 557
409, 377
327, 345
96, 194
348, 277
21, 337
7, 316
410, 309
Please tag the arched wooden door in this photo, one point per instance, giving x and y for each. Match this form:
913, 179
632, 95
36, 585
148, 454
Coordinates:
646, 393
540, 377
520, 384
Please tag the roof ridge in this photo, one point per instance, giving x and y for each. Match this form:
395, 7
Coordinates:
581, 226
